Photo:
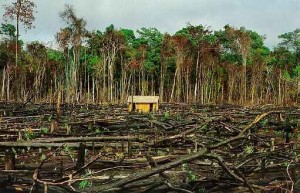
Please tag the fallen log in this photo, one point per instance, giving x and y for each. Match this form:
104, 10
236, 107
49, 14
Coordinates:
202, 153
118, 185
35, 144
89, 139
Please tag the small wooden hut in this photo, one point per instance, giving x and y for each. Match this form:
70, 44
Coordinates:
143, 103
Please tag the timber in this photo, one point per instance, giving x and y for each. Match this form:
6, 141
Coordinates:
133, 152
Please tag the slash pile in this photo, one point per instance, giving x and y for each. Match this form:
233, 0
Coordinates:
181, 148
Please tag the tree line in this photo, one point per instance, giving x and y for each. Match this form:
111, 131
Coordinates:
194, 65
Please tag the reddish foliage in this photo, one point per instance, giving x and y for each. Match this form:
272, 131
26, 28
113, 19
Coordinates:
12, 47
135, 64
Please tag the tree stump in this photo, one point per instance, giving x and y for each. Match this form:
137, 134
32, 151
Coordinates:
129, 148
9, 160
80, 156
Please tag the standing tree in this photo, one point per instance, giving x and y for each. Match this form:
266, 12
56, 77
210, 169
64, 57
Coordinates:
291, 41
72, 37
182, 47
6, 55
113, 42
197, 35
166, 57
236, 46
20, 11
150, 40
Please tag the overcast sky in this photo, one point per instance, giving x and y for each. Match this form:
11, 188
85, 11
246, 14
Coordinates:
267, 17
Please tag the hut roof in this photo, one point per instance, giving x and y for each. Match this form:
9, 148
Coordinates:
143, 99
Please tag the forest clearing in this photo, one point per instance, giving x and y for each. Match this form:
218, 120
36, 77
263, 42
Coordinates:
87, 106
181, 148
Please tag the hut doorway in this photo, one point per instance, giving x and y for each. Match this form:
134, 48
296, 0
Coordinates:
151, 107
133, 107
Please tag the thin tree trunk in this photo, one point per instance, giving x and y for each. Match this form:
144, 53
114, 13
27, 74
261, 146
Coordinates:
197, 78
298, 90
128, 85
244, 99
8, 86
17, 20
279, 88
152, 85
187, 85
93, 89
162, 83
3, 83
173, 87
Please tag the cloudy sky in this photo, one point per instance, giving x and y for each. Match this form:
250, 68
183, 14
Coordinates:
267, 17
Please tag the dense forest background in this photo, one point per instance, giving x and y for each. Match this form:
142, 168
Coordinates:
194, 65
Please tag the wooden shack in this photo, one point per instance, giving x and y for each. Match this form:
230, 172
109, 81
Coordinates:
143, 103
